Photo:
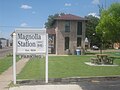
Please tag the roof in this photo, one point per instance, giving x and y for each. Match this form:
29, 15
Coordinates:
51, 31
2, 39
70, 17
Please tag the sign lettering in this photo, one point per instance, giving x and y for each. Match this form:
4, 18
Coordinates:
32, 41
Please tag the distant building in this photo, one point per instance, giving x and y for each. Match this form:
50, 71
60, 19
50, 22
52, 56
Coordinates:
3, 42
68, 34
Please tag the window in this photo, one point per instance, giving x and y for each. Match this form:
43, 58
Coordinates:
66, 43
79, 28
78, 41
67, 26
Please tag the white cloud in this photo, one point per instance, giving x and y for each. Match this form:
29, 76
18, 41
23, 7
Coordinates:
96, 2
68, 4
25, 6
23, 24
94, 14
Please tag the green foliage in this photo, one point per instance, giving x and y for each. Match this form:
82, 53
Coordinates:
66, 66
90, 30
5, 63
109, 25
50, 20
34, 69
9, 55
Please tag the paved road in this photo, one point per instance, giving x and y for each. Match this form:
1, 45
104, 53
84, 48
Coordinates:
107, 50
85, 85
100, 85
5, 51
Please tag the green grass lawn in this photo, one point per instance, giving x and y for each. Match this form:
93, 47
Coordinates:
66, 66
5, 63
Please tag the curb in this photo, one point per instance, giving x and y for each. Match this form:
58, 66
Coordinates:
67, 80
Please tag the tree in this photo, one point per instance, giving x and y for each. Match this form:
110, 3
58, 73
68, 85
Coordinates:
100, 8
109, 25
90, 30
50, 20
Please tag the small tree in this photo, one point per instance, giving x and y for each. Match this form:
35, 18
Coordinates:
109, 25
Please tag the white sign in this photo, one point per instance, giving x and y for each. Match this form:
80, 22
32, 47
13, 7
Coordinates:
31, 41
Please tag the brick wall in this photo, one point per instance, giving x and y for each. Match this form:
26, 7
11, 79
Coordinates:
61, 34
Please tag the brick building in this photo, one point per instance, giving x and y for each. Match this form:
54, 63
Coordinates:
68, 34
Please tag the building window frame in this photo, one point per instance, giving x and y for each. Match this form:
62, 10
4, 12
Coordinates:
67, 41
67, 26
79, 28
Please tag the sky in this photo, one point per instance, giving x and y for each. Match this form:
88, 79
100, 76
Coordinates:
34, 13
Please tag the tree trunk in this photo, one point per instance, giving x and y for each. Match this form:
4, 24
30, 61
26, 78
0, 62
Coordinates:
100, 50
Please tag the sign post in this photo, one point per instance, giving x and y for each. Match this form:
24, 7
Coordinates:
14, 58
46, 59
30, 42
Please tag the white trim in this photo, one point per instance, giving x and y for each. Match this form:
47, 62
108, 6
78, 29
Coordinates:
14, 58
46, 64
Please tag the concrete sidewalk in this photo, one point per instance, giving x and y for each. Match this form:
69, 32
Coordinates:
48, 87
7, 76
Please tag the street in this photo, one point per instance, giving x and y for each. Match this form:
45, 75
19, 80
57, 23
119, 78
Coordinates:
94, 83
5, 51
104, 85
90, 84
109, 84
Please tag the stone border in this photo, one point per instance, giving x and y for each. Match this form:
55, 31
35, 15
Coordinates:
67, 80
92, 64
